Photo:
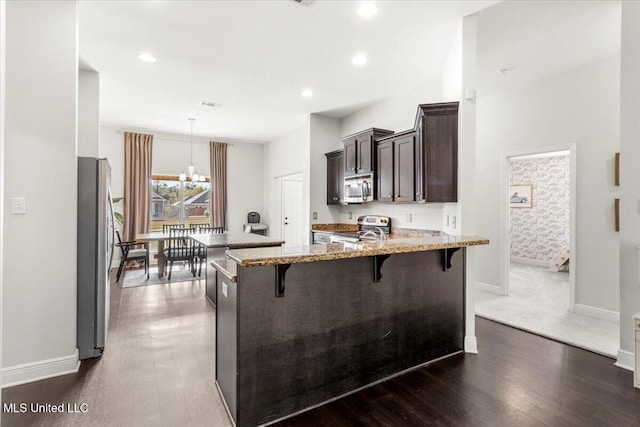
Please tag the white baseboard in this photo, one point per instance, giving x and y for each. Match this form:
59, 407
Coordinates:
470, 344
598, 313
527, 261
485, 287
43, 369
626, 360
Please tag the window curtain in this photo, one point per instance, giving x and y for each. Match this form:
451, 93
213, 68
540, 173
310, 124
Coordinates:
137, 184
218, 195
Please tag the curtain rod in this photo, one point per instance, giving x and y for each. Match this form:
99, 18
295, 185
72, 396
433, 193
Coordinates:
179, 139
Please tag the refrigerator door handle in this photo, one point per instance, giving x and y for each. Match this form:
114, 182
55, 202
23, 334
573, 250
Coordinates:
112, 225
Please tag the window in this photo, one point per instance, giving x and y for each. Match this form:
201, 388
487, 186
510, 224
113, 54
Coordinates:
178, 202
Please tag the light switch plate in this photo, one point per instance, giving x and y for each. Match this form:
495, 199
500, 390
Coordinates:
224, 290
18, 205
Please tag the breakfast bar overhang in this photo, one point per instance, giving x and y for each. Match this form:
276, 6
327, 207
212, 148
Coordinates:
296, 327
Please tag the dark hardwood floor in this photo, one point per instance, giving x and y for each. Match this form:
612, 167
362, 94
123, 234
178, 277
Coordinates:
158, 371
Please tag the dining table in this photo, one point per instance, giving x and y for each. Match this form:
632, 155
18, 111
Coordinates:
228, 239
155, 236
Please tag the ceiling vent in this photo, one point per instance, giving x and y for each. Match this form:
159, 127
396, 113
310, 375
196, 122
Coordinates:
210, 104
305, 2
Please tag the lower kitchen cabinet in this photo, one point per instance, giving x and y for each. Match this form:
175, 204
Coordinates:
396, 168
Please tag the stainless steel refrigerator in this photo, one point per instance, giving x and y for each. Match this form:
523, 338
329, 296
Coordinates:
95, 254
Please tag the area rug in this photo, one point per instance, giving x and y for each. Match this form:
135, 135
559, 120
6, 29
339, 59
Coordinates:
137, 277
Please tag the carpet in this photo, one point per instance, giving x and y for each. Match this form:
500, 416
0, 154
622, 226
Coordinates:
137, 277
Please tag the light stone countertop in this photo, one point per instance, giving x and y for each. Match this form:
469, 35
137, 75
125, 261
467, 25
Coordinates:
397, 244
235, 239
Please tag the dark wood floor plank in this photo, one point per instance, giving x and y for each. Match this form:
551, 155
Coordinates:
158, 371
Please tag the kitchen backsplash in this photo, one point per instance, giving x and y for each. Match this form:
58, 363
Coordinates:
411, 215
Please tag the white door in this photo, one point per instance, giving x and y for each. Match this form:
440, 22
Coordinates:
292, 220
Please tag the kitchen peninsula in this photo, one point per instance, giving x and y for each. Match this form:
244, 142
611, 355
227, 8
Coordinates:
298, 326
217, 243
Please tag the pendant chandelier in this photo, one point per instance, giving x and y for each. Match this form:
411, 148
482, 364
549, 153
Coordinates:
191, 170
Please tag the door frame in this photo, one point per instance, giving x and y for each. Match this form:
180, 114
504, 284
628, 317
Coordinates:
505, 216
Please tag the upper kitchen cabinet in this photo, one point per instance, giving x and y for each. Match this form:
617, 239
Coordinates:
335, 177
396, 167
359, 151
437, 152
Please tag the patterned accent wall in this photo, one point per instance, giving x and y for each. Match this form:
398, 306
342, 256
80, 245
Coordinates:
541, 232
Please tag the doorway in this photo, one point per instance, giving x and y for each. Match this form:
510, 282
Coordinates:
292, 210
539, 204
534, 297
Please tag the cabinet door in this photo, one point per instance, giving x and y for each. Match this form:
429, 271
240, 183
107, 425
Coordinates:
440, 151
437, 152
404, 169
350, 157
335, 178
385, 171
364, 154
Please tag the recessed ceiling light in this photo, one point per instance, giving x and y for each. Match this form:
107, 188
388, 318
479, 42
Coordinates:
359, 59
367, 9
307, 93
147, 57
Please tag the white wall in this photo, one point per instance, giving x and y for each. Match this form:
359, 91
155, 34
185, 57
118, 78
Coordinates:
396, 113
629, 179
289, 154
88, 113
324, 138
39, 275
171, 156
2, 162
578, 106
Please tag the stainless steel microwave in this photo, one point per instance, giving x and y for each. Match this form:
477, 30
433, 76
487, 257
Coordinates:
358, 188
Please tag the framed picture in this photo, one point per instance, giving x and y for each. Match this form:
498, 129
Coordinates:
520, 196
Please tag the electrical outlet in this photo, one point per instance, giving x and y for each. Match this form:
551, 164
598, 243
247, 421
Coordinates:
447, 220
453, 221
409, 217
315, 215
350, 215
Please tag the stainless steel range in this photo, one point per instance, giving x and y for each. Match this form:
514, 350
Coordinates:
370, 227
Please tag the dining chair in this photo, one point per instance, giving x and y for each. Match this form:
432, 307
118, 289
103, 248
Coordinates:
181, 248
167, 227
201, 250
129, 253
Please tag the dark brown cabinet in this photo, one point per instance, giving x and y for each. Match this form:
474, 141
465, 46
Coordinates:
436, 173
335, 177
396, 167
359, 151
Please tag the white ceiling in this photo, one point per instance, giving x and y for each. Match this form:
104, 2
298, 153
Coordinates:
256, 57
539, 38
